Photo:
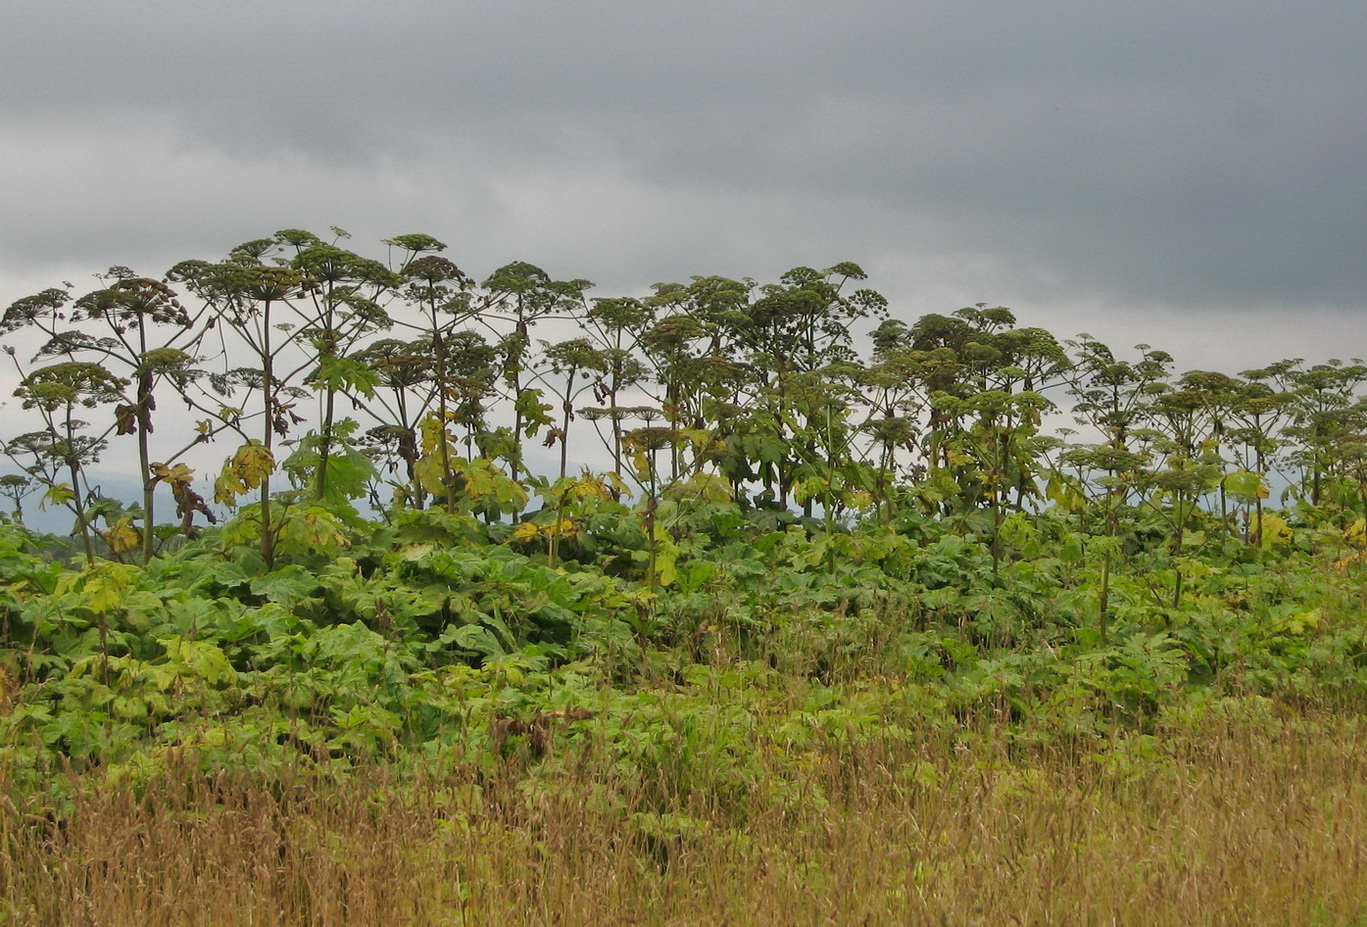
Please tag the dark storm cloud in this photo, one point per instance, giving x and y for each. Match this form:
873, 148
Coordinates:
1192, 155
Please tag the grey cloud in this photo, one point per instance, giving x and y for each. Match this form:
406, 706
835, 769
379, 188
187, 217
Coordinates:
1195, 155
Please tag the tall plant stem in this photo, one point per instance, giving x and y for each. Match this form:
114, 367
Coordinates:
268, 435
1105, 598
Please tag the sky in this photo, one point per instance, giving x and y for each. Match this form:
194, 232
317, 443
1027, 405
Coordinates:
1190, 175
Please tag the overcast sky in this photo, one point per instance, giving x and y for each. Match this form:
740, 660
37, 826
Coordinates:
1190, 174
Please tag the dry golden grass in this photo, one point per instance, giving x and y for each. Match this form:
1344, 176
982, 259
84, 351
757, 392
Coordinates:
1239, 822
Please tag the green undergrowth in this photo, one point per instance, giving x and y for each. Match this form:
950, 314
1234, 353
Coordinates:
440, 639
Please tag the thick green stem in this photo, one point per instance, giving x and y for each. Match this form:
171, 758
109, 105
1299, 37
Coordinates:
325, 432
567, 408
79, 507
1105, 598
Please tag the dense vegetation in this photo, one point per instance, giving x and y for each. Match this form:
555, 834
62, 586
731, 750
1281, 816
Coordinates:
777, 585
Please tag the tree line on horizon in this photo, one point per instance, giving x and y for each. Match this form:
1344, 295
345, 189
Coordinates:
336, 380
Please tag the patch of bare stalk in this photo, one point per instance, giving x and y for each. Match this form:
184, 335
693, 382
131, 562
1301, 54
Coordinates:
1248, 820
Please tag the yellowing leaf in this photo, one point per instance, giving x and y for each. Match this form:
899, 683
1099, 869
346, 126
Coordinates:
484, 479
122, 537
1275, 532
105, 584
1246, 485
58, 494
1354, 559
861, 500
104, 596
434, 435
244, 471
314, 530
179, 473
1063, 491
590, 486
430, 475
1356, 533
